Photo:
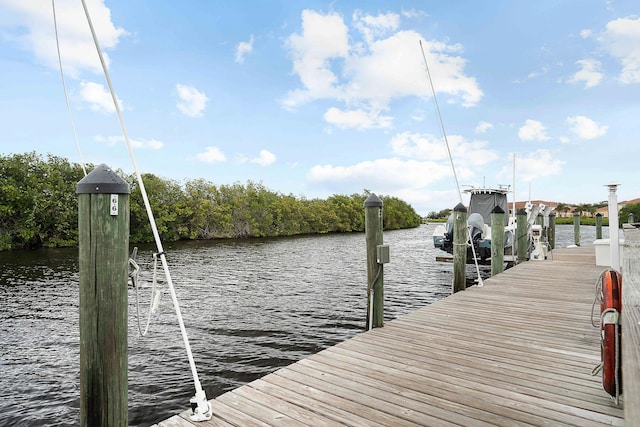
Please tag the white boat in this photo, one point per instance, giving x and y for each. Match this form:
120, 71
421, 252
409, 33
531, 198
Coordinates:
481, 203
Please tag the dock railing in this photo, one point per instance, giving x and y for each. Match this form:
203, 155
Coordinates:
631, 325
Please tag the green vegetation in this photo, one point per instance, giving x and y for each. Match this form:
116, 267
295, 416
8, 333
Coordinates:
633, 209
584, 220
38, 207
441, 216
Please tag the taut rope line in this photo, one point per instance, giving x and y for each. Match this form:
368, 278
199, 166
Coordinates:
453, 168
64, 87
203, 407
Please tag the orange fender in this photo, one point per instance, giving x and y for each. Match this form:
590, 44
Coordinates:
611, 349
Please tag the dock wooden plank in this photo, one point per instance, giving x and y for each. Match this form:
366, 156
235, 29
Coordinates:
517, 351
631, 324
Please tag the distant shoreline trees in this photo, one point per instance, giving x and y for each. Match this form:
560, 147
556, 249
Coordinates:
38, 207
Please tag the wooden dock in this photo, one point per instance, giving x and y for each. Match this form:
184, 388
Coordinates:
518, 351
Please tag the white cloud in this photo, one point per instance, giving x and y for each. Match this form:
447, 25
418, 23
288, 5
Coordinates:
381, 174
374, 26
533, 130
242, 49
98, 97
357, 119
366, 76
266, 158
324, 38
589, 73
585, 34
412, 13
211, 155
621, 39
31, 28
152, 144
191, 102
534, 74
532, 166
483, 127
585, 128
428, 147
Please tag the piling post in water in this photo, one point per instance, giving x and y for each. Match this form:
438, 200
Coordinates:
497, 240
375, 275
460, 236
598, 225
552, 231
522, 241
631, 218
103, 237
576, 228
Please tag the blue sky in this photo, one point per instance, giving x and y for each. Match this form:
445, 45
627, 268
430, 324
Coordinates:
318, 98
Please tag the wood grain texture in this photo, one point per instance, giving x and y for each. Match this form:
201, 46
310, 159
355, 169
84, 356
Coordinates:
518, 351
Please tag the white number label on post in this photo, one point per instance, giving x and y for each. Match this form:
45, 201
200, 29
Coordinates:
114, 205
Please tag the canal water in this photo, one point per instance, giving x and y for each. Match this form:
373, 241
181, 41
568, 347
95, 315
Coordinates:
249, 306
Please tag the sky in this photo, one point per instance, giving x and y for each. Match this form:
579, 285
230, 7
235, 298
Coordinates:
314, 98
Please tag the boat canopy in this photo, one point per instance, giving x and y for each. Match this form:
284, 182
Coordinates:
483, 201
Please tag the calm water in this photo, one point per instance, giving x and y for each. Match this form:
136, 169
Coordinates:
249, 306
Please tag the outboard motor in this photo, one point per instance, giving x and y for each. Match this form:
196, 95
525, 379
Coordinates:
448, 230
475, 222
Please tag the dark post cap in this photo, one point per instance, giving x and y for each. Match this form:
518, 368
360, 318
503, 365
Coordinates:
552, 214
521, 211
576, 214
459, 208
373, 201
497, 210
102, 180
598, 214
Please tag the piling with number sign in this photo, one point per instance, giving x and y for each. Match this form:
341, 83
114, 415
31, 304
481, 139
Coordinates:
103, 237
497, 240
375, 276
460, 234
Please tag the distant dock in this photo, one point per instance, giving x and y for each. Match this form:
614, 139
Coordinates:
518, 351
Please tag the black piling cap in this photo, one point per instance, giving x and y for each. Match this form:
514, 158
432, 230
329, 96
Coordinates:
102, 180
497, 210
521, 211
459, 208
373, 201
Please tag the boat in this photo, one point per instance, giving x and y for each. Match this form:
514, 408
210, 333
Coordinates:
481, 203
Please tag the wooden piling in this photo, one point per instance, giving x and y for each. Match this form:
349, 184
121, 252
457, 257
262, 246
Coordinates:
576, 229
460, 236
522, 241
375, 275
598, 225
103, 225
497, 240
552, 231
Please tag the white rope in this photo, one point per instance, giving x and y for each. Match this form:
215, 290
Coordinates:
453, 168
155, 293
202, 406
64, 87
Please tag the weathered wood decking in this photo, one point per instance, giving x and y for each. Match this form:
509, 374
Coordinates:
518, 351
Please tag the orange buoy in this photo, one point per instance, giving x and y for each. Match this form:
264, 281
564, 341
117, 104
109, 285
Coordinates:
611, 349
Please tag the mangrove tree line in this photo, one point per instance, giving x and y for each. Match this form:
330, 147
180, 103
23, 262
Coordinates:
38, 207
